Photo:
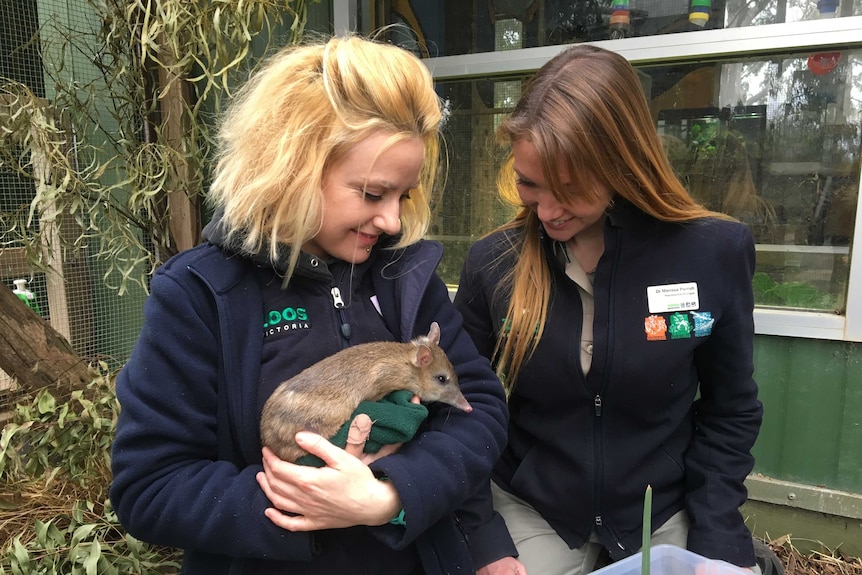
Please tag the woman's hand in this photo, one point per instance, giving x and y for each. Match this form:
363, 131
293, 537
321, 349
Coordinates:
504, 566
341, 494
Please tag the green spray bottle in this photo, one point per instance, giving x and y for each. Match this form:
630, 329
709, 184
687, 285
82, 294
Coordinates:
26, 295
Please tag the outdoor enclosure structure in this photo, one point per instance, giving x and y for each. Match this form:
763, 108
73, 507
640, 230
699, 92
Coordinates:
760, 107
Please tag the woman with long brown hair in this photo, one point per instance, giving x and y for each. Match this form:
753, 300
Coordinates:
618, 313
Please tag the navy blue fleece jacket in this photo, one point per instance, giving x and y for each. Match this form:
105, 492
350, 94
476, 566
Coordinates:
187, 446
582, 449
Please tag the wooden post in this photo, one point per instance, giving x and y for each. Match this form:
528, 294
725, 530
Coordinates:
183, 201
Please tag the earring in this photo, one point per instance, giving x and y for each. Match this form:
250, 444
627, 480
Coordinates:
368, 250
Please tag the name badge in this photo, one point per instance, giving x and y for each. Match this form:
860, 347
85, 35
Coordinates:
673, 297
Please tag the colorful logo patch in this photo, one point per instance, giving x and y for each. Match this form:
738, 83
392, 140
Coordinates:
655, 328
703, 323
680, 326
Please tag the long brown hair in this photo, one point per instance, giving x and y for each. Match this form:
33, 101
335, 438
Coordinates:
586, 106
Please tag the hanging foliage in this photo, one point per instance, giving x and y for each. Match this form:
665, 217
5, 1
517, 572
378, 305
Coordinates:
119, 152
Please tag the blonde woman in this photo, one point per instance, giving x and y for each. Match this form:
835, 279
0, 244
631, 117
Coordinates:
327, 159
608, 302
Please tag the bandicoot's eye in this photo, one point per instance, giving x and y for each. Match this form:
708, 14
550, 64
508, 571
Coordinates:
442, 379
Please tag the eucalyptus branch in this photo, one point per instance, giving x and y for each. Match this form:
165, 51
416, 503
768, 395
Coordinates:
98, 154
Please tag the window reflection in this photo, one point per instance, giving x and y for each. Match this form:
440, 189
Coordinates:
450, 27
774, 142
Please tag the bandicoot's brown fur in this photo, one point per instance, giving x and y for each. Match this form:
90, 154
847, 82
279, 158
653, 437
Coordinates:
324, 396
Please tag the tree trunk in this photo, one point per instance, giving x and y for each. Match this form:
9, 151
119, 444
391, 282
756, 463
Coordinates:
35, 353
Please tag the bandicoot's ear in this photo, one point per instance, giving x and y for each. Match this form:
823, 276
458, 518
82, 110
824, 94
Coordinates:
422, 358
434, 333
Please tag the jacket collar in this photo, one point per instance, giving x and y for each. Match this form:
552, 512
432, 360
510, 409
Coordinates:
623, 214
308, 265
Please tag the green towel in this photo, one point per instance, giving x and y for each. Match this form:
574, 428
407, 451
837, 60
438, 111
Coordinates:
395, 420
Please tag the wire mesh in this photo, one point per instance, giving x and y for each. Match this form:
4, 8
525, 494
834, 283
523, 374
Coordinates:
73, 297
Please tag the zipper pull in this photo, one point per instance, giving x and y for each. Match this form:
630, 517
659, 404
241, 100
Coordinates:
597, 401
338, 303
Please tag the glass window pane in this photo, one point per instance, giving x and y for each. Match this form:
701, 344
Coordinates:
434, 28
772, 141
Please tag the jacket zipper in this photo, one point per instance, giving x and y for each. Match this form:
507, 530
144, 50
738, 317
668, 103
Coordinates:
598, 404
338, 304
599, 455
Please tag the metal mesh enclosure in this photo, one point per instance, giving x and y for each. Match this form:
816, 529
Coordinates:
73, 297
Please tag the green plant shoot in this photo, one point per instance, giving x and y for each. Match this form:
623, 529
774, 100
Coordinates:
647, 531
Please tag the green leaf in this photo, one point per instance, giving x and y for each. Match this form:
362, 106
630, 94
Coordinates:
82, 533
21, 557
92, 560
77, 514
64, 411
106, 568
41, 529
7, 451
47, 403
55, 536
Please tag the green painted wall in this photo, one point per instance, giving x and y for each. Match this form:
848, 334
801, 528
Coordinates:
812, 396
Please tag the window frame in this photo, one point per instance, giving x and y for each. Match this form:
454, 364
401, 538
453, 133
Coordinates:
678, 48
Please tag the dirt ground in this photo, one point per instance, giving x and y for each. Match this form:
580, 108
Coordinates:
825, 562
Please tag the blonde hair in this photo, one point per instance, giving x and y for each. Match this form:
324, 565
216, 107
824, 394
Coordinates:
303, 111
587, 107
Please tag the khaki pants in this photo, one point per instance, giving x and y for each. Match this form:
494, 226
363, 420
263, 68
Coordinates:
543, 552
